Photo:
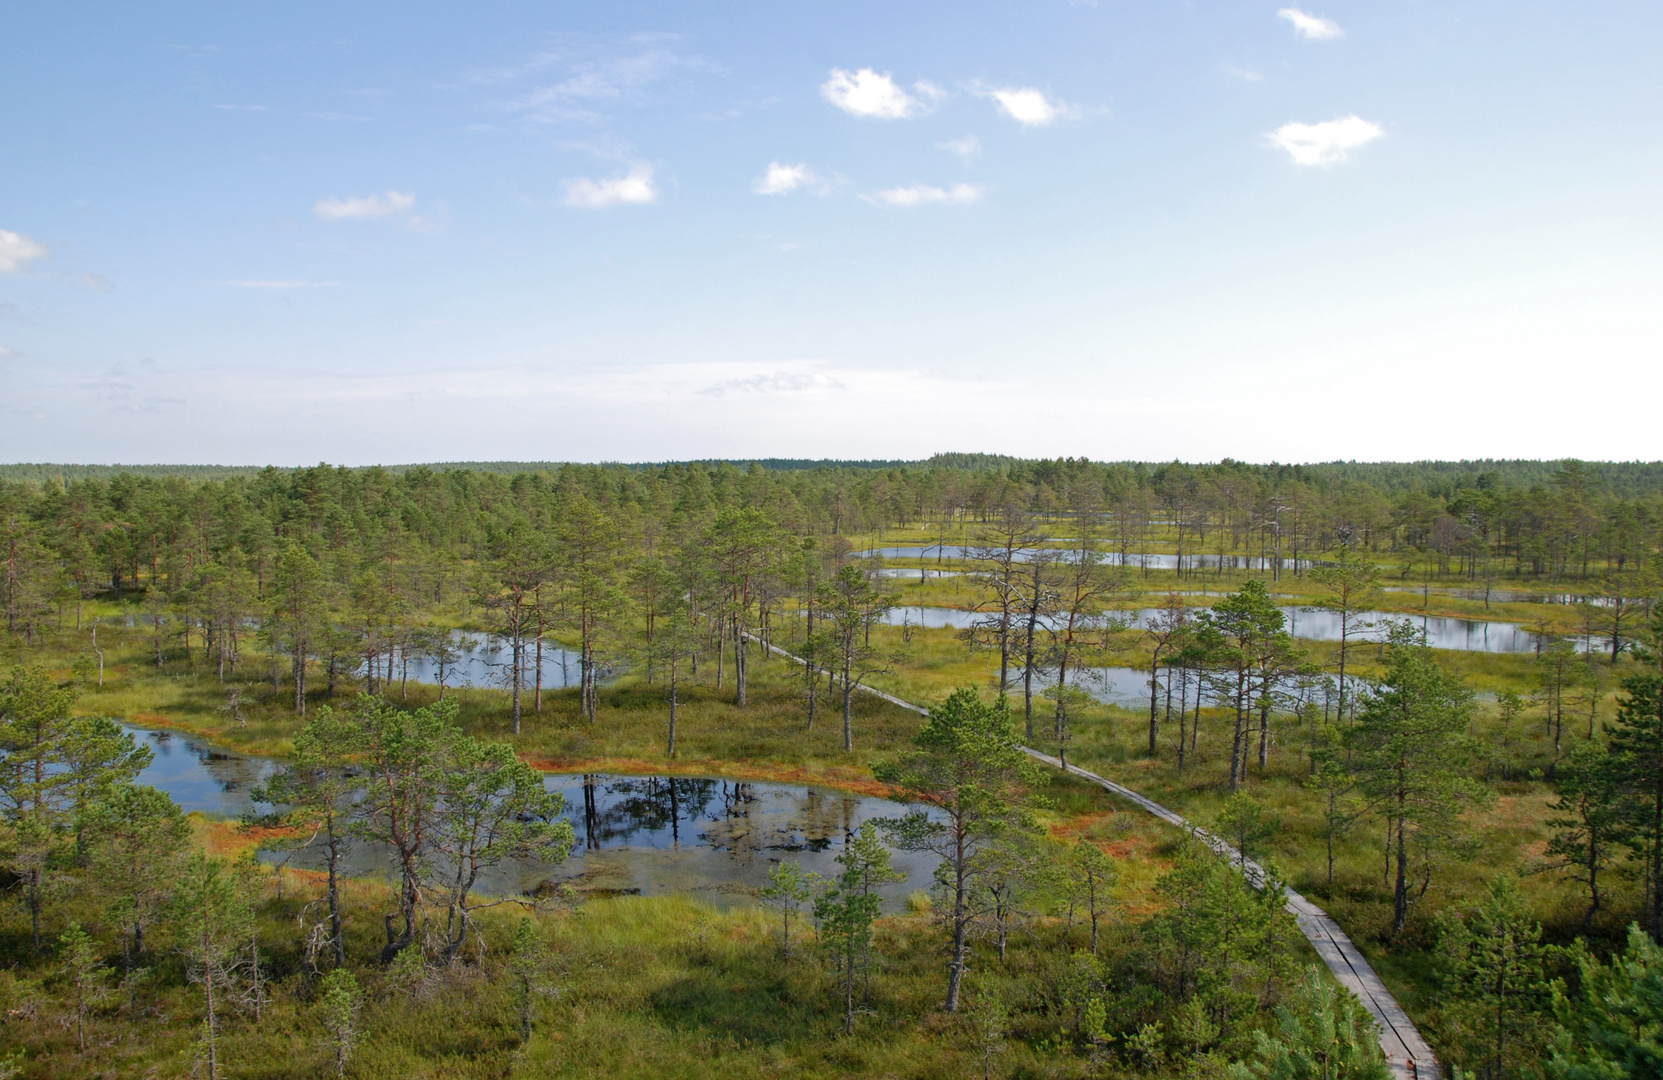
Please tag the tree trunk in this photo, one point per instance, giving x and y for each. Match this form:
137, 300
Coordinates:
1400, 898
672, 709
1028, 672
518, 655
1264, 731
300, 676
1154, 698
336, 936
208, 993
739, 663
848, 695
1237, 747
961, 921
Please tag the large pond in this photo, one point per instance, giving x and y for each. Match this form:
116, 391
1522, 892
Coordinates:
1142, 560
647, 835
1442, 632
1508, 596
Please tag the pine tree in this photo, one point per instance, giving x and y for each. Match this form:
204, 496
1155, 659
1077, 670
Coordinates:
849, 906
968, 766
1412, 757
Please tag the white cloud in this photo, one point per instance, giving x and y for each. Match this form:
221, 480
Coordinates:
783, 179
633, 188
774, 382
1327, 143
1245, 74
16, 251
1027, 105
866, 93
966, 148
7, 354
373, 206
282, 284
1313, 27
924, 195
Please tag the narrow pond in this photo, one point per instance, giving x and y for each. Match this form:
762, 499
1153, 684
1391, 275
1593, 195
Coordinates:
1142, 560
1442, 632
648, 835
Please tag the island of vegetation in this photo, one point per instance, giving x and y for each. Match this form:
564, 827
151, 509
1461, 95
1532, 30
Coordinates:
1427, 697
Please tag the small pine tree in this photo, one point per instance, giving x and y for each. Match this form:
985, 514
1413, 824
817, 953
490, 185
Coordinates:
1092, 874
788, 889
83, 968
1322, 1031
1612, 1026
1245, 824
339, 1005
1496, 974
529, 967
848, 908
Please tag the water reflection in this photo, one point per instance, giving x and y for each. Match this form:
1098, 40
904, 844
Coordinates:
648, 835
1310, 624
1142, 560
201, 777
488, 660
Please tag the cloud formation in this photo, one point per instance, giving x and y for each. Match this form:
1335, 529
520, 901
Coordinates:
867, 93
373, 206
1327, 143
635, 187
774, 382
16, 252
1314, 27
1027, 105
594, 76
282, 284
966, 148
784, 179
925, 195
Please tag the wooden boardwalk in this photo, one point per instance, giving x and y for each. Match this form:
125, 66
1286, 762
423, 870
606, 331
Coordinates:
1407, 1053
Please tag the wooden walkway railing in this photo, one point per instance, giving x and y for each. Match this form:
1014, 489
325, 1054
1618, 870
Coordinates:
1406, 1052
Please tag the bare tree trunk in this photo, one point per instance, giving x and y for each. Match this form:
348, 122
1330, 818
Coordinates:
848, 694
961, 923
518, 674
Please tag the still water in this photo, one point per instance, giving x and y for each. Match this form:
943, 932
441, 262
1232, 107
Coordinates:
1147, 561
647, 835
1442, 632
487, 660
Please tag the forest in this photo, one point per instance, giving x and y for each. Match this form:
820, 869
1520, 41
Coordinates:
480, 769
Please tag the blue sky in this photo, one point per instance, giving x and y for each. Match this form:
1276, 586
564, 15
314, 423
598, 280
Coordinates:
629, 231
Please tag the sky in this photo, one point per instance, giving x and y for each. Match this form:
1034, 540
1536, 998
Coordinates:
300, 232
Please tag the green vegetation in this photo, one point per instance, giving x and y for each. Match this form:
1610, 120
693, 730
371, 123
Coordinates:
1486, 826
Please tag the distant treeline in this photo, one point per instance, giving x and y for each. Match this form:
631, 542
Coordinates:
1598, 524
1624, 478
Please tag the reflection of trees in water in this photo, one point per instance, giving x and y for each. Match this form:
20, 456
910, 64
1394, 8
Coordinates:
617, 809
735, 817
231, 773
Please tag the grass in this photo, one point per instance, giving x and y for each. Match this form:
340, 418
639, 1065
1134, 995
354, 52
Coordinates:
662, 1013
642, 987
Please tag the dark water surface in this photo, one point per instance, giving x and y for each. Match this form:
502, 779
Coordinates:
650, 835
